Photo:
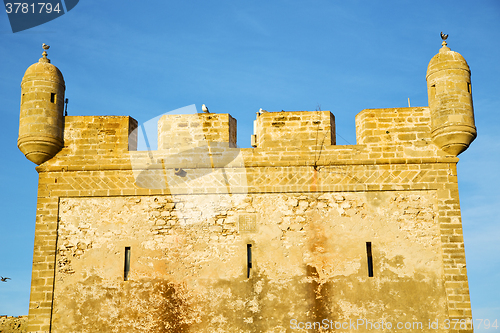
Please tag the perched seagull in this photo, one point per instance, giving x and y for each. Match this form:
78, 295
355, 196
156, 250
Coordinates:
443, 36
45, 46
4, 279
204, 108
261, 111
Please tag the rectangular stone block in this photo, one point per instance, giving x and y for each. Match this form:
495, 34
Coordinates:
196, 130
279, 129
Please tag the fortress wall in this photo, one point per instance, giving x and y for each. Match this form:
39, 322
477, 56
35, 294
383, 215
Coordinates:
189, 261
180, 212
222, 239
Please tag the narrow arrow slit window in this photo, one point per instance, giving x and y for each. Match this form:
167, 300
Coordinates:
369, 258
127, 263
249, 259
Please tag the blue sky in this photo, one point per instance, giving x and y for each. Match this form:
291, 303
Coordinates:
146, 58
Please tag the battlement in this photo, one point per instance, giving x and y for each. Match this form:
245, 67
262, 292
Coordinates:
376, 130
273, 130
204, 142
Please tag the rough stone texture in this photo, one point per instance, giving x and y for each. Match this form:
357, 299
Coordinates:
191, 212
13, 324
189, 261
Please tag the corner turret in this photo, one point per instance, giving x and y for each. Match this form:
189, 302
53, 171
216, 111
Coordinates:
42, 104
450, 101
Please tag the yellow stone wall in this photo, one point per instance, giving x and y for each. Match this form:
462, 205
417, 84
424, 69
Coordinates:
306, 206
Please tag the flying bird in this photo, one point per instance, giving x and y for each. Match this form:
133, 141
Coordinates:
443, 36
45, 46
204, 108
4, 279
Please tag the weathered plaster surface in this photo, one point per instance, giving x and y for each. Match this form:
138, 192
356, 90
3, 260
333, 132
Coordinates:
189, 261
